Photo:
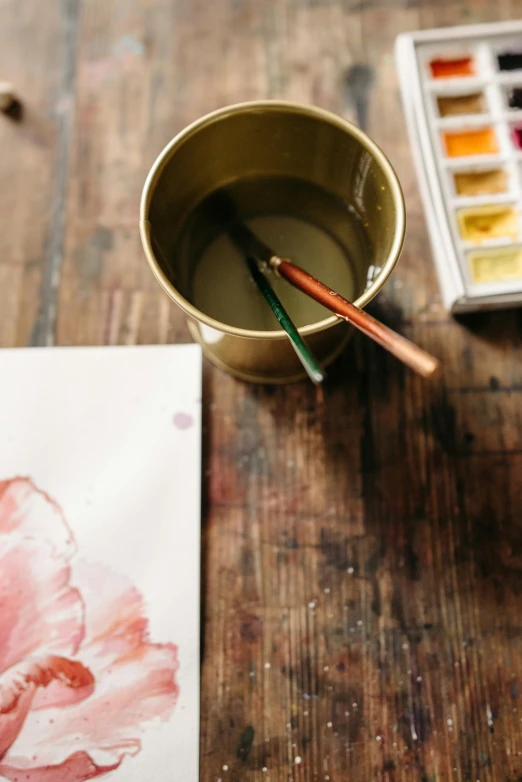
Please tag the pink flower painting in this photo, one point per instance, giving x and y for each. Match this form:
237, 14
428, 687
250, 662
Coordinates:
80, 681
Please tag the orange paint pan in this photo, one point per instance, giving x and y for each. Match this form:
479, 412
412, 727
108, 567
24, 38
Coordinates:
473, 141
448, 68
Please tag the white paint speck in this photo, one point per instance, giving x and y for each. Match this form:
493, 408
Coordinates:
252, 674
328, 724
327, 591
350, 570
267, 666
225, 768
346, 713
405, 646
354, 705
264, 769
311, 604
305, 713
297, 760
288, 726
378, 738
450, 722
489, 715
359, 623
419, 678
394, 744
326, 668
330, 616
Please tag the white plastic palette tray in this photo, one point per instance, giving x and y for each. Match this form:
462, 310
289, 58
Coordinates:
462, 95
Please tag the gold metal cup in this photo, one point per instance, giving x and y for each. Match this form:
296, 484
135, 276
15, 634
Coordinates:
261, 139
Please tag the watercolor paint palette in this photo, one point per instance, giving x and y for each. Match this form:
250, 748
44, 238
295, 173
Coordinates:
462, 96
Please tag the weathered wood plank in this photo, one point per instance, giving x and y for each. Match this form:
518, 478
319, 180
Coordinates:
362, 563
34, 56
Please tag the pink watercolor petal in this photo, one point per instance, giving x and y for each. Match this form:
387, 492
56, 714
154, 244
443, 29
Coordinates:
77, 768
12, 719
29, 512
19, 688
61, 682
41, 613
135, 683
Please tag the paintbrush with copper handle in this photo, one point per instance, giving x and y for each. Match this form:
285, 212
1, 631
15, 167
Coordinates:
411, 355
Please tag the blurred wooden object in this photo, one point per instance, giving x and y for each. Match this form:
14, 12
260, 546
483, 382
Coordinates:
362, 555
7, 95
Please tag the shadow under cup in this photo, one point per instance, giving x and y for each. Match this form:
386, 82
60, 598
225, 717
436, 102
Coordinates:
314, 187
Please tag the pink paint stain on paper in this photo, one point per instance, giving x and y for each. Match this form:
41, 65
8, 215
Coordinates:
80, 680
182, 421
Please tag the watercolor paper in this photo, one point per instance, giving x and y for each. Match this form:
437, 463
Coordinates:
99, 564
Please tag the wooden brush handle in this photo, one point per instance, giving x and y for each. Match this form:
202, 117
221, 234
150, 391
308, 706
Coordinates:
410, 354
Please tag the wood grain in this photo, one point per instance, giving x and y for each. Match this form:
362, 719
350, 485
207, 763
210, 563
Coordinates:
362, 551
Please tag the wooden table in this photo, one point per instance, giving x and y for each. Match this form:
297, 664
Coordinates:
362, 555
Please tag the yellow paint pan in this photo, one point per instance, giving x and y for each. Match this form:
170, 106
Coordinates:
488, 222
499, 265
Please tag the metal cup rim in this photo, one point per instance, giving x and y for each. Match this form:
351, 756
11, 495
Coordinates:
321, 114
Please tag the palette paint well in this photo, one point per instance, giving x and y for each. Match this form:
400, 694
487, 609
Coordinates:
476, 183
489, 222
447, 68
452, 105
516, 136
510, 61
515, 98
502, 265
462, 143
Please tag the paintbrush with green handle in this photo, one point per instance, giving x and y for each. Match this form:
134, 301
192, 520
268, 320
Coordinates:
314, 371
222, 211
